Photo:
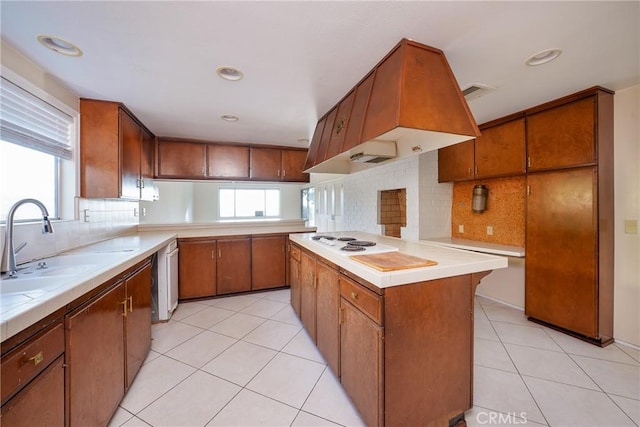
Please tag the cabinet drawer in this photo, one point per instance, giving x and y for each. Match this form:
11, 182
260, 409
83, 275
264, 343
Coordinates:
368, 302
294, 252
24, 363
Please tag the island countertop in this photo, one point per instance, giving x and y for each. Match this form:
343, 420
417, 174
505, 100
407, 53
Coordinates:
450, 262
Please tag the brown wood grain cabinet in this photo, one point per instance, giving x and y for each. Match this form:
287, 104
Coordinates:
181, 159
137, 321
266, 164
227, 161
294, 276
327, 309
562, 136
570, 233
33, 380
268, 261
293, 165
308, 292
197, 261
116, 152
456, 162
233, 265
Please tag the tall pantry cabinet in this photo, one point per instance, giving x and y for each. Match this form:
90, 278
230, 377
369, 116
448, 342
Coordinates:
569, 220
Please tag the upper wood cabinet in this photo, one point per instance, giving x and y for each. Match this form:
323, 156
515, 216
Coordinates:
456, 162
293, 165
227, 161
562, 136
116, 152
181, 159
498, 152
266, 164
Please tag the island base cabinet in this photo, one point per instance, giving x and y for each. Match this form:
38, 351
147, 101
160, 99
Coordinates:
361, 363
95, 359
138, 321
327, 309
294, 277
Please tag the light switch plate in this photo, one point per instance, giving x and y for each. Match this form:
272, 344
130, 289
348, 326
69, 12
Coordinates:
631, 226
461, 228
489, 230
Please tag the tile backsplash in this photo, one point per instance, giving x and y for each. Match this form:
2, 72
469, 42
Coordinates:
104, 219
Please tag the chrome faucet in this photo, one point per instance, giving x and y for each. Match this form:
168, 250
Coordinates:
8, 264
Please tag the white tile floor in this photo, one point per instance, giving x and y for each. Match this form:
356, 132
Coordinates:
246, 361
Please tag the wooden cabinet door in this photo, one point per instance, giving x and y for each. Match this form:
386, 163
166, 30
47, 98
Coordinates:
293, 164
265, 164
196, 269
500, 150
312, 154
227, 161
130, 146
294, 278
137, 321
308, 293
147, 161
456, 162
340, 125
327, 310
361, 366
561, 261
562, 136
41, 403
234, 265
94, 356
353, 135
177, 159
268, 262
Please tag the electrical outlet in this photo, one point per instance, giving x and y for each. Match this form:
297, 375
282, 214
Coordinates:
461, 229
631, 226
489, 230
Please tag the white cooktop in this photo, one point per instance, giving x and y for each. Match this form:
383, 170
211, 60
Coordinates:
336, 246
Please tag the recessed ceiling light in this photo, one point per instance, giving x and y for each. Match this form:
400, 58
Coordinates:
543, 57
59, 45
229, 73
229, 117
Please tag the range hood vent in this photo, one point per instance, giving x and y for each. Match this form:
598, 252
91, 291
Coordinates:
374, 152
409, 99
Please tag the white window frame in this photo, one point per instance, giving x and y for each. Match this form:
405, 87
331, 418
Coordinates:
67, 170
236, 217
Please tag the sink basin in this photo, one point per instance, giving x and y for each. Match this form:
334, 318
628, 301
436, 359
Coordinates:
28, 285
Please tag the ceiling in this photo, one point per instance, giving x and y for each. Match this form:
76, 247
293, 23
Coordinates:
299, 58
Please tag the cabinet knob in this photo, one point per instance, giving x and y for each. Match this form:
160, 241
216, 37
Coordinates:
37, 358
124, 308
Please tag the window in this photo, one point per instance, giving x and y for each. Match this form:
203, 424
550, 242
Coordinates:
35, 140
247, 203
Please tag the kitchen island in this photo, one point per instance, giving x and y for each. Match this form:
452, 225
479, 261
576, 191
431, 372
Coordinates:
400, 341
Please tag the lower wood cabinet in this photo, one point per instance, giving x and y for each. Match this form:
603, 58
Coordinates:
107, 339
268, 261
196, 268
233, 266
294, 277
404, 354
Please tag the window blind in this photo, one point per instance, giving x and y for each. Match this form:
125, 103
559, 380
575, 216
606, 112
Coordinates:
29, 121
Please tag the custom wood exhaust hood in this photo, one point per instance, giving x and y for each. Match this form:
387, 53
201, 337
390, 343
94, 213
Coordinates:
411, 98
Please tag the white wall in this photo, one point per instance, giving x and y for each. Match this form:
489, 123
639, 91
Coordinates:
627, 207
197, 201
435, 199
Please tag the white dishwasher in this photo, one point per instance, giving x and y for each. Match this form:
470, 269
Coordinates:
167, 281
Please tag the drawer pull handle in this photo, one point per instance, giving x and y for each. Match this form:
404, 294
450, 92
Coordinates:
354, 295
37, 358
124, 308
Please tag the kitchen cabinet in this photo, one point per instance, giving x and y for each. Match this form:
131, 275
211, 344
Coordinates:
294, 276
498, 152
233, 265
562, 136
293, 166
137, 321
33, 380
197, 268
308, 293
95, 359
456, 162
227, 161
268, 262
116, 152
569, 233
266, 164
327, 309
181, 159
107, 339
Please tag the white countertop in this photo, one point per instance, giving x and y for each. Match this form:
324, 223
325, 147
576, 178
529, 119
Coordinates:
451, 262
474, 245
230, 228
